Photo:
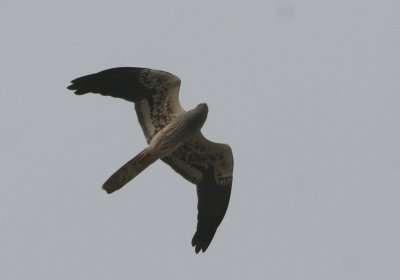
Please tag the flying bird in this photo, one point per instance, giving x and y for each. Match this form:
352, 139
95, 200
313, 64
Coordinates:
173, 135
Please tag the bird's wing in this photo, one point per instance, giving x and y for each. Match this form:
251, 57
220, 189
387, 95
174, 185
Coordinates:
209, 165
155, 93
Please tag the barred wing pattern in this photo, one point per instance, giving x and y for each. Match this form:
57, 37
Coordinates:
209, 165
155, 93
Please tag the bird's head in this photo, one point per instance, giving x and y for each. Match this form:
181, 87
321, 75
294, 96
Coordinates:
202, 107
198, 115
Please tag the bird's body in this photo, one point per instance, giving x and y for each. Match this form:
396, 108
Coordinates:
178, 130
173, 135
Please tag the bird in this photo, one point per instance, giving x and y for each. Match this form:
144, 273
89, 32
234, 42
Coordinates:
173, 135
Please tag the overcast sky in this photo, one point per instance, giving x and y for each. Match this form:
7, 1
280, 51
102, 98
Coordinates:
306, 92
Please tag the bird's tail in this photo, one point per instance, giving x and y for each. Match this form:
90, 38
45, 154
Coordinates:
129, 171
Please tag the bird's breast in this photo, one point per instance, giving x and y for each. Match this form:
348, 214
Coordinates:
174, 134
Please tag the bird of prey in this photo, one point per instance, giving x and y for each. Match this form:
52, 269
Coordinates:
173, 135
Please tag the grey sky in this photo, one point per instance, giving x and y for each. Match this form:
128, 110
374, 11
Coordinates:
306, 92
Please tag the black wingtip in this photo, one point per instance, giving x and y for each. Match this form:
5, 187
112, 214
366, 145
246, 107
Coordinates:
77, 90
198, 244
197, 248
123, 82
72, 87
